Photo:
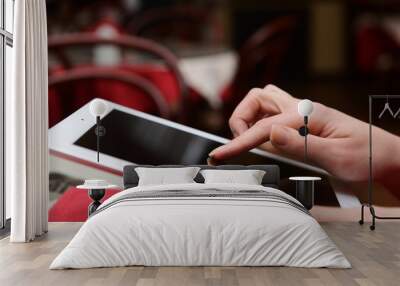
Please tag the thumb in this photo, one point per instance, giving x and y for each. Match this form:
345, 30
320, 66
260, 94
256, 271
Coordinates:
288, 141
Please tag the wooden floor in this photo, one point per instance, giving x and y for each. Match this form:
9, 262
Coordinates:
375, 257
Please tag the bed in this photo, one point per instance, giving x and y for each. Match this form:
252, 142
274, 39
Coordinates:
199, 224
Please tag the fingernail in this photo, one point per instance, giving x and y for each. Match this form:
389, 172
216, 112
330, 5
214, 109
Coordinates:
234, 133
211, 161
212, 153
279, 135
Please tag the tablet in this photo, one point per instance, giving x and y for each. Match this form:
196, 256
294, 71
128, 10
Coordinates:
134, 137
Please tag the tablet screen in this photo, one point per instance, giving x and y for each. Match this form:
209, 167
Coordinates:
142, 141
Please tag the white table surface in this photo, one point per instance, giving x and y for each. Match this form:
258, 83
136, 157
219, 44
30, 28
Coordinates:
210, 74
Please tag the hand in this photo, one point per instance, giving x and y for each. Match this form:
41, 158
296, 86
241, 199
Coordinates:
268, 118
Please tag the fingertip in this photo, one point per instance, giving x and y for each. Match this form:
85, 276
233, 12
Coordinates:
234, 133
222, 153
215, 151
211, 161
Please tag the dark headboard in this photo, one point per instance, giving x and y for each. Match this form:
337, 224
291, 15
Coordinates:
271, 177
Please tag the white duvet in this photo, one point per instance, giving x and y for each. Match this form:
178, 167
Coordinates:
200, 231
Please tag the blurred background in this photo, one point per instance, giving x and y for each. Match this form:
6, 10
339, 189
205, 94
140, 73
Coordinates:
193, 61
328, 51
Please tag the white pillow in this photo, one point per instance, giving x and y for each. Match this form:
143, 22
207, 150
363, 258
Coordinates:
248, 177
163, 176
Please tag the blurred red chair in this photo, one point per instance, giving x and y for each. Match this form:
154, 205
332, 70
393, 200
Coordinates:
77, 87
162, 72
376, 49
260, 60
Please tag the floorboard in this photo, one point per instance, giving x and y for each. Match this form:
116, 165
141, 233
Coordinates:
375, 257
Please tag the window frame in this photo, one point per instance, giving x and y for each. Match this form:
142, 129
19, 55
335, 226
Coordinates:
6, 39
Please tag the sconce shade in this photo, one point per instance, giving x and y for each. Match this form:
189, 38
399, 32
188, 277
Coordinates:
98, 107
305, 107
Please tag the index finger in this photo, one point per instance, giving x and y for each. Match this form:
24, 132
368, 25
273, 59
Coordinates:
253, 137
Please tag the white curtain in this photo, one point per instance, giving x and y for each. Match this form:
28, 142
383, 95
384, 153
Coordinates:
26, 124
